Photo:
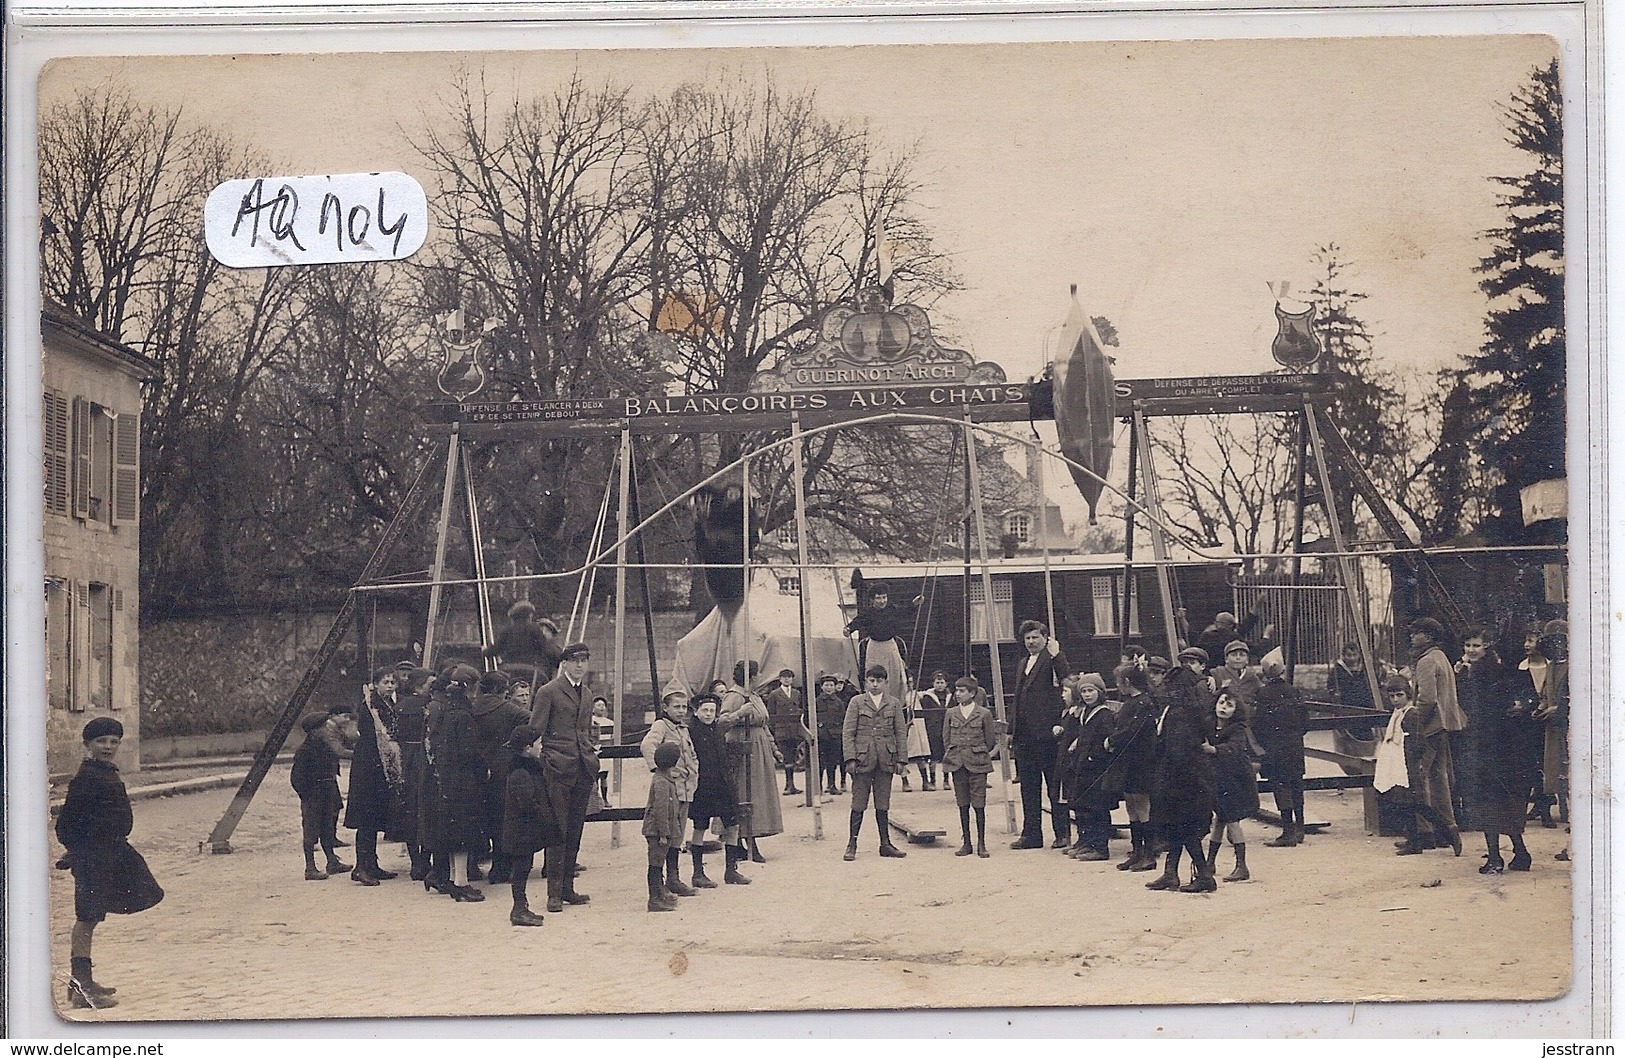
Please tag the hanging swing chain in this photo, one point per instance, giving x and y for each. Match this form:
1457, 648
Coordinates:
589, 577
931, 575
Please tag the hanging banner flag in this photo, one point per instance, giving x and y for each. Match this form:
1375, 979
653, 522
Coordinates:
1084, 402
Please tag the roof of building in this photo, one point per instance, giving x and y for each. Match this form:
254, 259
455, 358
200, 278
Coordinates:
58, 317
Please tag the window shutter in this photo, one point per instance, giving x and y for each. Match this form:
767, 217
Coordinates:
58, 452
81, 457
74, 648
126, 469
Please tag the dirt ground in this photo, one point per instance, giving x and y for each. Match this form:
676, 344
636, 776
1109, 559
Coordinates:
1340, 918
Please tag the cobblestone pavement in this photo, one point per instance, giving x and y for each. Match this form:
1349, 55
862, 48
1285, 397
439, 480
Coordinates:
244, 936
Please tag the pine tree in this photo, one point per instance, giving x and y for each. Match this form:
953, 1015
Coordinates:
1366, 395
1519, 375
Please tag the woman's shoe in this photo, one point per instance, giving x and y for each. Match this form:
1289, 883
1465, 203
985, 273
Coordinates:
1455, 841
1493, 867
1407, 849
362, 876
1521, 861
465, 894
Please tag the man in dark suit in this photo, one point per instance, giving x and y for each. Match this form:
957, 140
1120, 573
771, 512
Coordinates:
1035, 721
562, 711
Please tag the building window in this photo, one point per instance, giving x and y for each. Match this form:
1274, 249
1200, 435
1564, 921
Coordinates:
789, 585
1018, 525
786, 535
1107, 596
1004, 620
92, 461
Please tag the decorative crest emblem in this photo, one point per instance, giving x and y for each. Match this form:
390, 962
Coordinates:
461, 375
1295, 344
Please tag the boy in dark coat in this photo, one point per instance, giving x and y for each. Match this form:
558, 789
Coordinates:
831, 715
315, 778
109, 877
1182, 799
788, 718
1279, 719
662, 824
528, 825
713, 794
496, 715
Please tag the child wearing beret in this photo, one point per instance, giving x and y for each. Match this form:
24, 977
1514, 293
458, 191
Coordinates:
109, 876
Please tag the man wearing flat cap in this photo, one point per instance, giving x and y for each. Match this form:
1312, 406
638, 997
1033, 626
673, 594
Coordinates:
1439, 713
562, 711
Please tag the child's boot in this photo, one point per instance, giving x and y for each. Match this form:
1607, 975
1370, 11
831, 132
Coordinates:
964, 828
82, 998
555, 888
674, 884
699, 880
1202, 874
887, 849
906, 787
522, 915
854, 825
1148, 851
1136, 841
81, 976
313, 873
336, 865
981, 833
1213, 855
1240, 874
736, 855
1169, 878
659, 899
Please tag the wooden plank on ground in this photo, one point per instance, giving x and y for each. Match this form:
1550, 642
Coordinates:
916, 835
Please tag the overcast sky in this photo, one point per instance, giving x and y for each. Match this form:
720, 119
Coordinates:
1170, 181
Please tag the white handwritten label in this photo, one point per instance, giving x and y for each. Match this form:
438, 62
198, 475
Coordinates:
300, 220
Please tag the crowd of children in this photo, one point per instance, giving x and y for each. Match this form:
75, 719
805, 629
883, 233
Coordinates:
465, 768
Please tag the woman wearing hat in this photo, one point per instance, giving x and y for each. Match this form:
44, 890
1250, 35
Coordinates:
411, 717
377, 778
751, 762
454, 809
109, 877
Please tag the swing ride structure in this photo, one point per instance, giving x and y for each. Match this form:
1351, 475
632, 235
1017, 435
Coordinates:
872, 364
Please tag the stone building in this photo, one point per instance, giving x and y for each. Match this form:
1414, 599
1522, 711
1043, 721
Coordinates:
92, 405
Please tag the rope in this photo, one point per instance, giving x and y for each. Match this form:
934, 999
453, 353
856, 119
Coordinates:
589, 579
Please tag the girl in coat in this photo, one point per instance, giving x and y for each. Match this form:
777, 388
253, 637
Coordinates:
934, 704
752, 763
528, 823
1133, 747
713, 793
1068, 759
684, 775
1090, 789
1506, 740
1182, 783
1400, 774
376, 776
411, 714
454, 809
109, 877
1235, 784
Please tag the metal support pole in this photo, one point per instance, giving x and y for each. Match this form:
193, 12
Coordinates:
476, 546
643, 586
219, 839
1041, 511
1289, 646
810, 689
964, 580
744, 565
1346, 571
1159, 542
447, 490
1129, 519
620, 626
992, 633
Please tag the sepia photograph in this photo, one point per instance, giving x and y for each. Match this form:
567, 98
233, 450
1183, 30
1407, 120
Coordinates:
842, 528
